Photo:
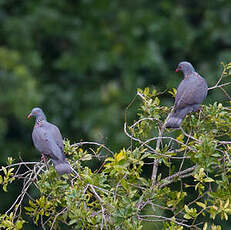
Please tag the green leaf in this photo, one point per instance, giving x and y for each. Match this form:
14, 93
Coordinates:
208, 180
4, 170
201, 205
86, 157
187, 216
205, 226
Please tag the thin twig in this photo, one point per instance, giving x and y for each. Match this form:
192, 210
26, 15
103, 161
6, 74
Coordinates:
104, 221
162, 218
56, 216
219, 86
92, 143
179, 174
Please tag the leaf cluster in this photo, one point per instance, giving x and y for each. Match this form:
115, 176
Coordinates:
189, 186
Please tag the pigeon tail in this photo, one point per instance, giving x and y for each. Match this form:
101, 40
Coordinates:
173, 122
62, 167
177, 116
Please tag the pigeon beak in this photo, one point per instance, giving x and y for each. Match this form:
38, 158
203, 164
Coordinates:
177, 70
29, 116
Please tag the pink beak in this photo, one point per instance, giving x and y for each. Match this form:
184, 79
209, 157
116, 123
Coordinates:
29, 116
177, 70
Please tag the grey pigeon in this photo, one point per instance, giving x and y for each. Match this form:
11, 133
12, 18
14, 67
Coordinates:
191, 93
48, 140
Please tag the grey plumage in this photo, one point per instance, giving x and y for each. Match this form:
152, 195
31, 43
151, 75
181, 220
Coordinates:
191, 93
48, 140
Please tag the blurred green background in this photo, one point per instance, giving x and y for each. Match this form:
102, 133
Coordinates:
83, 60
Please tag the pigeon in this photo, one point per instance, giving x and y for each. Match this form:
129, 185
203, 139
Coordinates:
48, 140
191, 93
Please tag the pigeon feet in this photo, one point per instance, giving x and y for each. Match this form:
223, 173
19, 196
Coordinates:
43, 158
199, 112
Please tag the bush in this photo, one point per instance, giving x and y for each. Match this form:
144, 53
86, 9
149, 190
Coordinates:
188, 186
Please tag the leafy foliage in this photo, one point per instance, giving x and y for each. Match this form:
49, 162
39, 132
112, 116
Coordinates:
87, 58
189, 181
81, 61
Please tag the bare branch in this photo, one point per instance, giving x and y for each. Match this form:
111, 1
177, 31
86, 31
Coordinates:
219, 86
56, 216
104, 220
161, 219
92, 143
180, 174
153, 139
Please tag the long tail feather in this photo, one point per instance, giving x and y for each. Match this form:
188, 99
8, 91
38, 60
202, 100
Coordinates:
175, 118
62, 167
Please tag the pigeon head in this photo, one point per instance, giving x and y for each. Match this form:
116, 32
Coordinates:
37, 113
185, 67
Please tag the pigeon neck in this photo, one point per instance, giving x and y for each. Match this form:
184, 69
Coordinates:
40, 118
188, 69
188, 72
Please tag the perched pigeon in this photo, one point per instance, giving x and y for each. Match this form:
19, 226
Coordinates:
48, 140
191, 93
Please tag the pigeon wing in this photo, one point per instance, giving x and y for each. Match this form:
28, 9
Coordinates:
191, 91
56, 135
45, 143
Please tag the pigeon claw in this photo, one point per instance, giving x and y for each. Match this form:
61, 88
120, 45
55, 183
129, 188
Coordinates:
43, 158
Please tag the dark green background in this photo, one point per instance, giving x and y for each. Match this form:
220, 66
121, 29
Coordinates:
82, 61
